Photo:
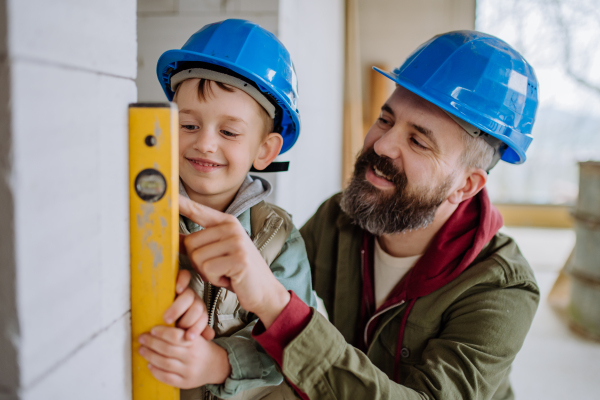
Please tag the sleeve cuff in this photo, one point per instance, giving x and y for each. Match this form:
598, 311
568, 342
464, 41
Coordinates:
292, 320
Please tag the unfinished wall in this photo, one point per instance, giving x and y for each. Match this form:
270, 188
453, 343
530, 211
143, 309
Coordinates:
64, 198
317, 51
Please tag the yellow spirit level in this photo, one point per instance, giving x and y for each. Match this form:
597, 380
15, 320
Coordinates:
154, 216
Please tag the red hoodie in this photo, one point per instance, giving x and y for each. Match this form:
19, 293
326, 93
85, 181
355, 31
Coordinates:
451, 251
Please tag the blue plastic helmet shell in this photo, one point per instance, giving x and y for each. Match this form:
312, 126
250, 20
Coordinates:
480, 79
248, 50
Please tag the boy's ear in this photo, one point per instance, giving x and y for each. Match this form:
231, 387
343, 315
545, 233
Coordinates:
269, 149
474, 181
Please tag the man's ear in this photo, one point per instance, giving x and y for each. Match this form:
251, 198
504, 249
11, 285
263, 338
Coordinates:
474, 180
269, 149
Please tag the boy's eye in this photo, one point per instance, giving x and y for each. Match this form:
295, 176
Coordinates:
229, 134
190, 127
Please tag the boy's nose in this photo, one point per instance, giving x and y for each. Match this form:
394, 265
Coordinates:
206, 142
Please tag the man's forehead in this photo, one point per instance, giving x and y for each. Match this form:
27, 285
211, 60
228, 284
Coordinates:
403, 96
423, 116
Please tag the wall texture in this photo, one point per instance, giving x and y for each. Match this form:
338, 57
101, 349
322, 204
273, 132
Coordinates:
72, 73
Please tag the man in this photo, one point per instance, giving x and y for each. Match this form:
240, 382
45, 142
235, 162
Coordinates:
426, 299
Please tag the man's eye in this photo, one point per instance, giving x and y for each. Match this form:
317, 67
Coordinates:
417, 143
229, 134
383, 120
190, 127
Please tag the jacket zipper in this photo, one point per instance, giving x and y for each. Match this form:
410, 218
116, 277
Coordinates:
377, 315
270, 238
212, 306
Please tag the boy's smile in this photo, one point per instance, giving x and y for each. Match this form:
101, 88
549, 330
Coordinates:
204, 165
221, 135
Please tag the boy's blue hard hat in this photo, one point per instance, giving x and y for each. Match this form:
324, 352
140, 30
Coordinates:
479, 79
250, 51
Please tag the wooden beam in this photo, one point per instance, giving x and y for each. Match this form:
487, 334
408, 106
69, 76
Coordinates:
535, 215
353, 120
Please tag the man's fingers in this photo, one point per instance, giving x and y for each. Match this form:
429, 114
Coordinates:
207, 236
183, 280
179, 306
169, 378
225, 248
220, 270
202, 215
208, 333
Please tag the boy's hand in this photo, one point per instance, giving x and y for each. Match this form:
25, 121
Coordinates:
189, 309
183, 363
224, 255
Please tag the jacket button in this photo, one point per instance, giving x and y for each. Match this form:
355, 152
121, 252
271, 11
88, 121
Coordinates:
405, 352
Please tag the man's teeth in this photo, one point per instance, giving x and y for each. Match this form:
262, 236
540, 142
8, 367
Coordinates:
381, 175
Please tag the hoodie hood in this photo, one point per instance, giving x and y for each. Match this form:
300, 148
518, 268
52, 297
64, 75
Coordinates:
252, 191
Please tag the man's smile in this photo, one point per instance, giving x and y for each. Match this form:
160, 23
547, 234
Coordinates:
377, 178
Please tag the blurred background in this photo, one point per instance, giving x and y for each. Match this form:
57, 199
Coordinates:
69, 70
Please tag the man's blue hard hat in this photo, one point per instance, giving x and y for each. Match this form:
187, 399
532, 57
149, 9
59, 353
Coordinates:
479, 79
250, 51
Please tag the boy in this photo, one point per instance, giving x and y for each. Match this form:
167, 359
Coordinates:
235, 86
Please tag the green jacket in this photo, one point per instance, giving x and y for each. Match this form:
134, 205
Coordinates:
460, 340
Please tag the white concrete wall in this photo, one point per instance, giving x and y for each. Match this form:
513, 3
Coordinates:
392, 29
72, 74
312, 30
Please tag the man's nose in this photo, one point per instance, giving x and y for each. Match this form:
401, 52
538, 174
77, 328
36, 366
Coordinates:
389, 145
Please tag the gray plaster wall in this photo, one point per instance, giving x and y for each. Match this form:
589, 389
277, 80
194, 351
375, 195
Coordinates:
67, 75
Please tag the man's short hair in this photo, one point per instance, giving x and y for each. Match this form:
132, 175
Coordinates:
477, 153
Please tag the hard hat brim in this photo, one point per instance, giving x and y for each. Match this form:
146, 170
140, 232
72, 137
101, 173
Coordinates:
515, 140
171, 57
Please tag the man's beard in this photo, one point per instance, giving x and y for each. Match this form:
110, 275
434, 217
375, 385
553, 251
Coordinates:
401, 211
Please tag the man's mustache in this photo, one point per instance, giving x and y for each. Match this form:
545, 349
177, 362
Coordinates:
382, 163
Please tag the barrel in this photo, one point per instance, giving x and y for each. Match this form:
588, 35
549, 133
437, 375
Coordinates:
584, 307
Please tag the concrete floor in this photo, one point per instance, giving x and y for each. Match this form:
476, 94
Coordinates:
554, 363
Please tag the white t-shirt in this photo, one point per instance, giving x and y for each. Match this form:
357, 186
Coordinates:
388, 272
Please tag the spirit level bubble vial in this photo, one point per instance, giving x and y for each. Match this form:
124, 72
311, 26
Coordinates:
154, 231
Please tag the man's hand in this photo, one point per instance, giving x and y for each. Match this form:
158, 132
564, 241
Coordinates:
224, 255
183, 363
189, 309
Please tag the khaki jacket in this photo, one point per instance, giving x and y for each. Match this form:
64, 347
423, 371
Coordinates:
271, 227
459, 341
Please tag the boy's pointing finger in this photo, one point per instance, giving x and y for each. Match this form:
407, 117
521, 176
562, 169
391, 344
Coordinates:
204, 216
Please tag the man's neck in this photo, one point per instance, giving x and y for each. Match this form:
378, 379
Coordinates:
414, 243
